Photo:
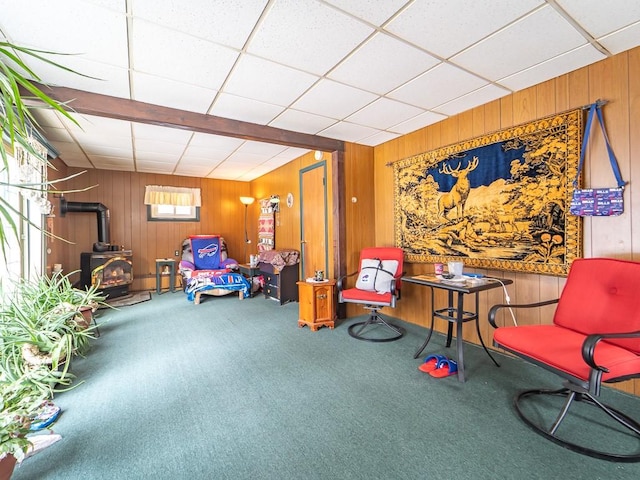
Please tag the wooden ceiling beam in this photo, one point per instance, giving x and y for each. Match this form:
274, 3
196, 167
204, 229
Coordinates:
131, 110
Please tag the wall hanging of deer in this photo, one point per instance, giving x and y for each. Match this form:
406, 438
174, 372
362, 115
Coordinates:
498, 201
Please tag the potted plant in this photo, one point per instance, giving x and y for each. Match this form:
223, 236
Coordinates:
42, 317
19, 401
42, 327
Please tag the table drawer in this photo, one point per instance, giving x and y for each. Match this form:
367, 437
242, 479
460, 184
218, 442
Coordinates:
271, 291
270, 278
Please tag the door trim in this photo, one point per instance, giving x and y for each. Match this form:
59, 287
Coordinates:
321, 164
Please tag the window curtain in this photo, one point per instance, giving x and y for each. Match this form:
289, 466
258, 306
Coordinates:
177, 196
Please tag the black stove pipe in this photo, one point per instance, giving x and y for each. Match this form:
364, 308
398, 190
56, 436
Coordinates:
101, 211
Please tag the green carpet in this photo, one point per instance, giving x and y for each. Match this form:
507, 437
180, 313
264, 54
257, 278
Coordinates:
232, 389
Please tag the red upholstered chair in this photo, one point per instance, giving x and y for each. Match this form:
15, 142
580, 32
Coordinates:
594, 338
377, 285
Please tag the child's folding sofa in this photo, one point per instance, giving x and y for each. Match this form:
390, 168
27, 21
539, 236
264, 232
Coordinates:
206, 268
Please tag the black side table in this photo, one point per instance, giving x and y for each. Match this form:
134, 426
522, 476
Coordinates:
249, 272
165, 266
454, 312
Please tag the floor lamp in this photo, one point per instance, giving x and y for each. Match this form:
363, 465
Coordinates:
246, 201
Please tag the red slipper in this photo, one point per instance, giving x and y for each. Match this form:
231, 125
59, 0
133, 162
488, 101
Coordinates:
431, 363
445, 368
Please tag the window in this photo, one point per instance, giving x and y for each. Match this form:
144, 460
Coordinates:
23, 256
172, 213
172, 204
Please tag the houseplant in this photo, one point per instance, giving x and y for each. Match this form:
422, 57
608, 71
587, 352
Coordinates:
42, 328
41, 318
19, 402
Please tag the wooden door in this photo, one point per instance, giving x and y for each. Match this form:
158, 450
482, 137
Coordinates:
313, 215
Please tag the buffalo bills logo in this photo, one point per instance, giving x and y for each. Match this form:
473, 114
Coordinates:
208, 251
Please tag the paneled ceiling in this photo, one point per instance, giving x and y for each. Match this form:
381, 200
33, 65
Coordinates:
362, 71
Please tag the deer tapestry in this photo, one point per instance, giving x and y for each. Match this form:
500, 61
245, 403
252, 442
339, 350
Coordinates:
498, 201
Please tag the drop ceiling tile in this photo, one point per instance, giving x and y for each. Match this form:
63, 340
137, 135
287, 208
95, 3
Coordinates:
245, 109
253, 173
264, 149
118, 168
112, 163
553, 68
418, 122
94, 150
70, 150
90, 76
349, 132
167, 134
445, 28
267, 81
48, 118
90, 142
291, 153
382, 64
203, 155
118, 5
378, 138
518, 46
479, 97
228, 174
210, 161
173, 149
159, 170
170, 93
100, 127
58, 135
440, 84
245, 159
384, 113
45, 25
274, 162
215, 142
151, 164
233, 20
334, 100
163, 52
370, 11
602, 18
194, 171
298, 121
155, 156
307, 34
76, 161
622, 40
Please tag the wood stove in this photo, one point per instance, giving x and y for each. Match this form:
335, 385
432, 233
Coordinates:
111, 271
109, 267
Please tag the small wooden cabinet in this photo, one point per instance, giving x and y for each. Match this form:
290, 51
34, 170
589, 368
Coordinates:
317, 304
280, 285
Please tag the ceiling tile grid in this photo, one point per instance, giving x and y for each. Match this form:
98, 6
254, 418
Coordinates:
353, 70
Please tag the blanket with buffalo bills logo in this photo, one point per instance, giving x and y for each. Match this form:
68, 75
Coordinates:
220, 279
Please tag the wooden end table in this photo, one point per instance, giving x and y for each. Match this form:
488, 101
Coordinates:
317, 304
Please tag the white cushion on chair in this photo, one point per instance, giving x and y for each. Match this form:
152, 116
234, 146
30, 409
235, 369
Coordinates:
376, 275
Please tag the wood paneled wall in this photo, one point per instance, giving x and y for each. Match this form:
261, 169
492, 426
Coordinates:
123, 193
360, 214
613, 79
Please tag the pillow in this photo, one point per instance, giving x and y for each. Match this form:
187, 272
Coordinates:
206, 251
184, 265
376, 275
